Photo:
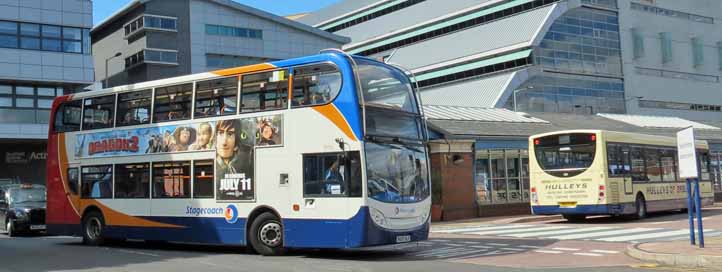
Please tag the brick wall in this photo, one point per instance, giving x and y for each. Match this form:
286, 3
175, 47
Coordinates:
457, 195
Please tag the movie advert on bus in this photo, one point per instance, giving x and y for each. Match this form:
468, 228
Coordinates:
233, 140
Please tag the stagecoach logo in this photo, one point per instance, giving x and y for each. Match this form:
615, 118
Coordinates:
396, 210
114, 145
231, 214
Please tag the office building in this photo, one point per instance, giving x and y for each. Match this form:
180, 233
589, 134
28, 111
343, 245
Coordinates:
44, 53
155, 39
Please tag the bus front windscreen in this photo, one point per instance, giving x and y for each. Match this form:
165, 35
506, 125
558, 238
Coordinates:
565, 155
396, 173
385, 86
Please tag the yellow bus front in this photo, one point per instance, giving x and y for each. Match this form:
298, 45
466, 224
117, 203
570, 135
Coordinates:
567, 174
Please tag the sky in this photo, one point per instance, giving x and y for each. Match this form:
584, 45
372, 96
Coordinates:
104, 8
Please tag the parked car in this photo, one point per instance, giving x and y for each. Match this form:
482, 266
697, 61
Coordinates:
22, 208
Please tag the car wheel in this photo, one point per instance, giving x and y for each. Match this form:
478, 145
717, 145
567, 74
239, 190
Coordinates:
641, 208
93, 226
266, 235
10, 228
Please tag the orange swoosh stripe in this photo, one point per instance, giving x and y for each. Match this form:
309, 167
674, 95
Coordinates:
334, 115
244, 69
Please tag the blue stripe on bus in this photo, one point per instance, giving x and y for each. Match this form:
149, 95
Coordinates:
355, 232
579, 209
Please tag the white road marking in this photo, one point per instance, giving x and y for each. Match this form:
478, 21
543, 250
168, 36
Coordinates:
441, 240
555, 232
604, 251
480, 229
454, 245
513, 249
519, 230
646, 236
548, 251
588, 254
603, 233
138, 253
487, 247
461, 253
470, 243
443, 250
566, 249
532, 247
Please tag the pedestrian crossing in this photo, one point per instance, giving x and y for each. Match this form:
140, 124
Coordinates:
571, 232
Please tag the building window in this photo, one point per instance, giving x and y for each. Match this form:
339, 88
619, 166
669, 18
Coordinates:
98, 112
173, 103
366, 15
72, 40
676, 75
264, 91
134, 108
612, 4
203, 179
501, 176
584, 41
719, 54
638, 40
132, 180
96, 181
678, 106
666, 39
216, 97
154, 22
43, 37
671, 13
161, 56
697, 52
51, 38
219, 30
135, 59
171, 179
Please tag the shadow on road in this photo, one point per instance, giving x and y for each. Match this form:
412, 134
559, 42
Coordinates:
652, 218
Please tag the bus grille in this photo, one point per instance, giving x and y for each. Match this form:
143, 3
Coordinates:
613, 192
37, 217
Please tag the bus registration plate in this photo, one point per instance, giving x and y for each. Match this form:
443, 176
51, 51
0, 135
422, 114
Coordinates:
37, 227
403, 238
567, 204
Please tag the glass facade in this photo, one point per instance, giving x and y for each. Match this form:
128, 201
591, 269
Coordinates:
27, 104
501, 176
44, 37
568, 93
612, 4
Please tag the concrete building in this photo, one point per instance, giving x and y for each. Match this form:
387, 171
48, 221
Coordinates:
567, 63
44, 53
164, 38
568, 56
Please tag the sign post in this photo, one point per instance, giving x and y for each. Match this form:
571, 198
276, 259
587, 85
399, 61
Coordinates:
687, 153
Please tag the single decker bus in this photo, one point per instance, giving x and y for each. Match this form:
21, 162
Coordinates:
323, 151
578, 173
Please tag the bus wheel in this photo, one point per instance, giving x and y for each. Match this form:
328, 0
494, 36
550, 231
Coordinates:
574, 217
93, 225
267, 235
641, 207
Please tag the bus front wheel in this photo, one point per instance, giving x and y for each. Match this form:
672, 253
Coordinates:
93, 226
267, 235
640, 207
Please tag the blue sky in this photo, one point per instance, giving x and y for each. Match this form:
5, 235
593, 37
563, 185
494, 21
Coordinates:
104, 8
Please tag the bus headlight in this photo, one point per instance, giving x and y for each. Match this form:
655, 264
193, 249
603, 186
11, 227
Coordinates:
423, 217
378, 217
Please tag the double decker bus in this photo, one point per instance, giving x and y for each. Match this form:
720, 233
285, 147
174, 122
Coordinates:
577, 173
324, 151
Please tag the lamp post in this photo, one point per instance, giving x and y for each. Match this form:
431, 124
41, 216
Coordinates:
518, 90
118, 54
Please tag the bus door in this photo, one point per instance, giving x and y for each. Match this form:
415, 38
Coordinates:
72, 183
626, 166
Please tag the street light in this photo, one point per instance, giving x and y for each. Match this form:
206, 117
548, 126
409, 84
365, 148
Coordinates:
118, 54
518, 90
591, 109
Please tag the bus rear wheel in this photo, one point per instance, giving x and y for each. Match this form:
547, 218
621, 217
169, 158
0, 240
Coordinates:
574, 217
93, 226
266, 235
640, 207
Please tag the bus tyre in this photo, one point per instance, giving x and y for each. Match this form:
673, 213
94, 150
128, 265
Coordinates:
93, 226
574, 217
266, 235
641, 208
10, 228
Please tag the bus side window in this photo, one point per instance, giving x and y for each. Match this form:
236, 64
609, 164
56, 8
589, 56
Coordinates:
98, 112
173, 103
331, 174
73, 180
639, 172
654, 169
613, 160
704, 161
97, 182
133, 108
264, 91
216, 97
315, 85
67, 117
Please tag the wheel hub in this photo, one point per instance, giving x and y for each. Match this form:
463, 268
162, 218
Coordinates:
270, 234
94, 228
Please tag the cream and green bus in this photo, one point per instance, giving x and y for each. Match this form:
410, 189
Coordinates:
578, 173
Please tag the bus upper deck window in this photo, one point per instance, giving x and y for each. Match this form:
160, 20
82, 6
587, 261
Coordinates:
264, 91
315, 85
98, 112
216, 97
173, 103
67, 117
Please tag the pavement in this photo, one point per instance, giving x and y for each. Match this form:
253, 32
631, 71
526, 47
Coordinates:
680, 253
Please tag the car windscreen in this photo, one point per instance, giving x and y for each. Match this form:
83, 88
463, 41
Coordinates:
21, 195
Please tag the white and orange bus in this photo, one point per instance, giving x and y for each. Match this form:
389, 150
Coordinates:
325, 151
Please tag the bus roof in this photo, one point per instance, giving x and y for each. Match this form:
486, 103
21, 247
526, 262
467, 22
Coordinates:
626, 137
325, 56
